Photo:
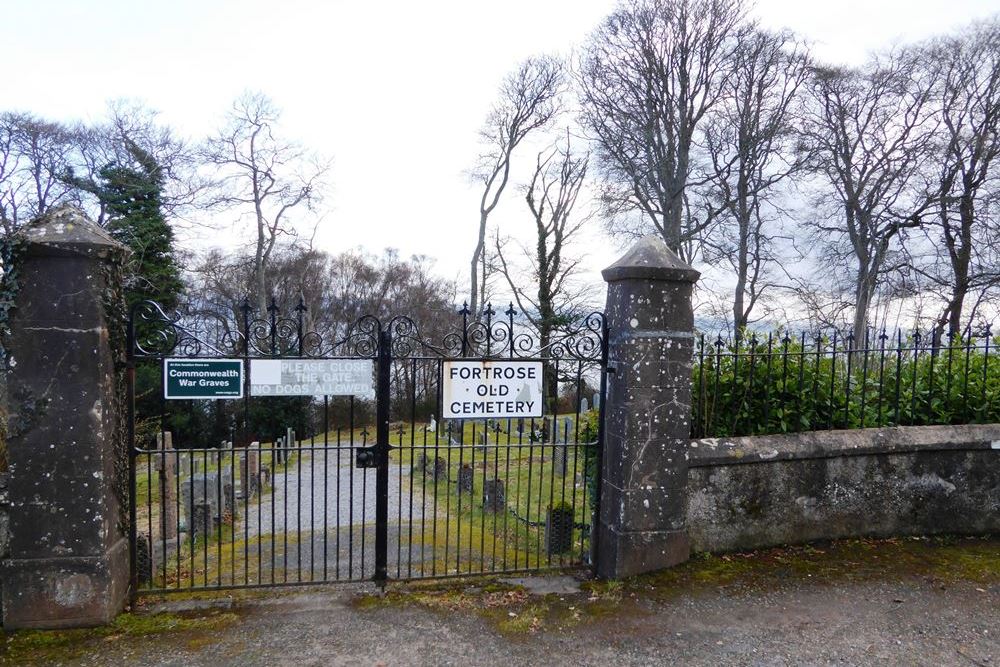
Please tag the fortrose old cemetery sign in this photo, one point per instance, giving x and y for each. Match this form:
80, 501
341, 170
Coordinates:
491, 389
186, 379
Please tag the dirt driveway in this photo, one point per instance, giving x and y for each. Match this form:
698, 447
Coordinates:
859, 602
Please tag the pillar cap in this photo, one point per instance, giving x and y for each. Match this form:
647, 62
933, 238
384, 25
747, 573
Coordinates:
67, 231
650, 259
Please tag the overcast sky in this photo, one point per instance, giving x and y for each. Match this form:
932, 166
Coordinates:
393, 91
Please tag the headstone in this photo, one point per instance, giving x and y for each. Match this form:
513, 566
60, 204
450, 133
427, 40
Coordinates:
201, 520
584, 406
481, 447
559, 522
143, 559
432, 426
228, 511
167, 474
440, 470
465, 478
250, 472
494, 499
201, 488
278, 451
421, 463
265, 478
560, 459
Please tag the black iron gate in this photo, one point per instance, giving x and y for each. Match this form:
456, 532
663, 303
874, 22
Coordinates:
318, 489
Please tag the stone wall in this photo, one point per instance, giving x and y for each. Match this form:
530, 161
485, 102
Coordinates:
752, 492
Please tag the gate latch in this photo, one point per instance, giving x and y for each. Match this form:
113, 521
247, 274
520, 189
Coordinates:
365, 457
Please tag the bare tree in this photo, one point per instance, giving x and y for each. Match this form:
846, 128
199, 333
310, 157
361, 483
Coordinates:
866, 132
749, 141
528, 100
963, 234
36, 156
550, 300
133, 129
266, 177
647, 77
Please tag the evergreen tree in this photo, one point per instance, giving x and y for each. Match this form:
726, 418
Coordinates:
131, 196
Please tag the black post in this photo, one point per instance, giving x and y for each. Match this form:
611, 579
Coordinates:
382, 457
595, 516
133, 569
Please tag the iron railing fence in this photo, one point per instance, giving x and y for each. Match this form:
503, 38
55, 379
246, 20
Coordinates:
377, 489
785, 382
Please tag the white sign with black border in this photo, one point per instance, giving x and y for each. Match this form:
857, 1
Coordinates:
312, 377
491, 389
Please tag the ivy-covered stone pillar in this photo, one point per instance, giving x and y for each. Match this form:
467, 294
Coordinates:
68, 564
647, 415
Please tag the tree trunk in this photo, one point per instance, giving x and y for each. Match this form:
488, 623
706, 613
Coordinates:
961, 260
862, 298
480, 250
740, 315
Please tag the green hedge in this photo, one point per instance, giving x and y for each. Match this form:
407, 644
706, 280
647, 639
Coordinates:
754, 387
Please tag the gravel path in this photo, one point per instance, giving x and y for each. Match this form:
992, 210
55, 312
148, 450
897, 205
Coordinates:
317, 494
912, 622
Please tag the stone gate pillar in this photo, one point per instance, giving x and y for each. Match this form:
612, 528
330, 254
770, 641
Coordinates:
647, 417
68, 563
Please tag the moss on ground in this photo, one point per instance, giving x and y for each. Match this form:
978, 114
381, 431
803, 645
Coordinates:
43, 647
941, 559
513, 611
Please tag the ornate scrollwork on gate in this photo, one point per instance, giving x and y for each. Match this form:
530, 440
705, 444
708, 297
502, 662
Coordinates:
285, 335
156, 334
500, 338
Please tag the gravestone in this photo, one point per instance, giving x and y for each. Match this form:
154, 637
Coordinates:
465, 479
166, 469
201, 520
596, 402
421, 463
201, 488
432, 426
560, 459
249, 472
559, 524
494, 499
584, 405
439, 471
143, 559
253, 469
482, 447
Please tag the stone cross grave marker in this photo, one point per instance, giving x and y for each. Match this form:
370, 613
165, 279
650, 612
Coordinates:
167, 479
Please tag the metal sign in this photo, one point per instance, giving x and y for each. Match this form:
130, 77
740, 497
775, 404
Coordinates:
491, 389
312, 377
186, 379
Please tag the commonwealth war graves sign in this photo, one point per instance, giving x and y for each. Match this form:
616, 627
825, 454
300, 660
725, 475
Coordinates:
185, 379
491, 389
312, 377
